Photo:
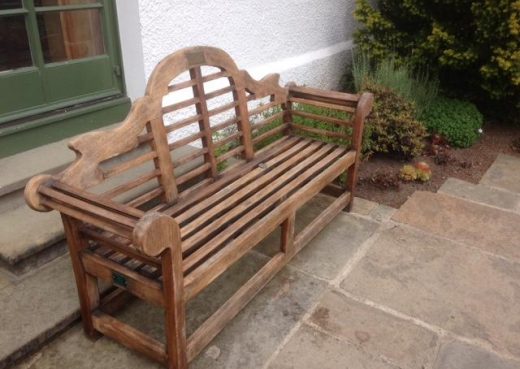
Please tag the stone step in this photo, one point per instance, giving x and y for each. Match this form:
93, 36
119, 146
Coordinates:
482, 194
504, 173
35, 308
29, 239
488, 228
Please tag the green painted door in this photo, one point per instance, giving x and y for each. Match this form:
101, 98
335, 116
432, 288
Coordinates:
56, 54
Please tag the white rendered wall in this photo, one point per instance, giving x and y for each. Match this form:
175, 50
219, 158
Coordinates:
306, 41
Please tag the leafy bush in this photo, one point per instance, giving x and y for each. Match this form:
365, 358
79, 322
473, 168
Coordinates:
458, 121
474, 46
391, 127
417, 87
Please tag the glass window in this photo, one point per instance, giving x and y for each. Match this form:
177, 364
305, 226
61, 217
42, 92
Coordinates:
69, 35
62, 2
10, 4
14, 43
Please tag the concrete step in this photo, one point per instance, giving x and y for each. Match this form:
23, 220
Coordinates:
29, 239
488, 228
482, 194
35, 308
504, 174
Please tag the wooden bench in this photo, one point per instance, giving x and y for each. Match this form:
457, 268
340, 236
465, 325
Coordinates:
247, 155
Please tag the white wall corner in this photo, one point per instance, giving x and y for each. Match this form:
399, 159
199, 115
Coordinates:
131, 47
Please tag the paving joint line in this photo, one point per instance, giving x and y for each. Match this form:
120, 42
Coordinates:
407, 226
441, 332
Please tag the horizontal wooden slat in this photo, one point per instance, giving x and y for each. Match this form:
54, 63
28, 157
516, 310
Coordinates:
129, 164
147, 196
130, 337
313, 93
247, 210
230, 138
232, 175
219, 92
219, 262
181, 85
246, 183
193, 173
120, 244
183, 123
230, 153
322, 118
263, 107
222, 108
348, 109
211, 77
224, 124
189, 157
270, 133
321, 132
186, 140
138, 285
266, 122
181, 105
125, 187
118, 229
97, 200
84, 206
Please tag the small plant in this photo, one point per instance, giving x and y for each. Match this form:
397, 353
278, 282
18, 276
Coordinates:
458, 121
391, 127
384, 180
408, 173
420, 172
417, 87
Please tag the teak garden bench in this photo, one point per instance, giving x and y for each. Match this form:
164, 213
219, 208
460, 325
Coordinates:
189, 183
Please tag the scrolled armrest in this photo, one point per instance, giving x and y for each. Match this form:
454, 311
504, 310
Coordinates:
155, 232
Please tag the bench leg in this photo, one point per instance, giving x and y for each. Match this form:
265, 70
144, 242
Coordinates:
351, 184
87, 285
287, 238
175, 314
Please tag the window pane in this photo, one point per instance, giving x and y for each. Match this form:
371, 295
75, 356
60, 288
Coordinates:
14, 44
10, 4
62, 2
69, 35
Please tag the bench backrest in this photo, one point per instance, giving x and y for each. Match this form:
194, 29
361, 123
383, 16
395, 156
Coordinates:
195, 97
199, 106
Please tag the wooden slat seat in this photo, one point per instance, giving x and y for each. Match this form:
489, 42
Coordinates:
188, 187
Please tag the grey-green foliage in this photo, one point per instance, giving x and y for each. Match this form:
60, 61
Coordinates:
418, 87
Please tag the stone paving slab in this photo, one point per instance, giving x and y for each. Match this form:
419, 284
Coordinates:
481, 226
457, 355
311, 349
451, 286
504, 173
246, 342
17, 242
326, 255
36, 308
481, 194
397, 341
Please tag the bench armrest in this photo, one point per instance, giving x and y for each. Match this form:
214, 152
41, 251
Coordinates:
151, 233
357, 106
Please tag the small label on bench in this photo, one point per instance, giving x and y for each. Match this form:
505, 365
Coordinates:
118, 279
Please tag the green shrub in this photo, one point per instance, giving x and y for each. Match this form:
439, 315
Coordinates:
417, 87
391, 127
458, 121
474, 46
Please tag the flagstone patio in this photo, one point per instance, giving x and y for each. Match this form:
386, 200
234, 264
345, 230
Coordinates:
433, 285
